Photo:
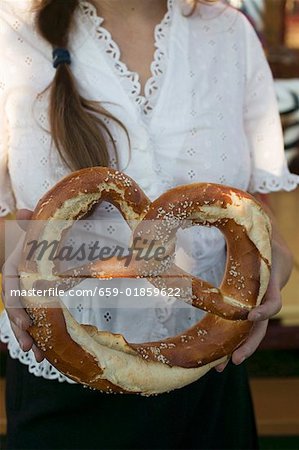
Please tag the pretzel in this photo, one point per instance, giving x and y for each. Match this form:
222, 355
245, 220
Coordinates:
106, 361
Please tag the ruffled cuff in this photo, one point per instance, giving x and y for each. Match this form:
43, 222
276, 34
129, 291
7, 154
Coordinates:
7, 204
265, 182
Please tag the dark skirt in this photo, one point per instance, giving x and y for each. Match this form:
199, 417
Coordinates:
213, 413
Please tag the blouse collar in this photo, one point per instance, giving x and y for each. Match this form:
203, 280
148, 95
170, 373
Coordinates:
130, 79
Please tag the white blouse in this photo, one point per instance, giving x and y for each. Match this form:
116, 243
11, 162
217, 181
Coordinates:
208, 113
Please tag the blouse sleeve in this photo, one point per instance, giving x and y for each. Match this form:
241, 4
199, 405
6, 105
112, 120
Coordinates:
262, 123
7, 200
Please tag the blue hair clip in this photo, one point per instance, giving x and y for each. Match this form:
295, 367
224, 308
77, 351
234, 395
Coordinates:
61, 56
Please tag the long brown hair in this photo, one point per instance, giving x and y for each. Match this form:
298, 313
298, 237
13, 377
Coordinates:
77, 125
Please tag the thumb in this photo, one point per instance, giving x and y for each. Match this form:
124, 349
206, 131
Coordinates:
22, 216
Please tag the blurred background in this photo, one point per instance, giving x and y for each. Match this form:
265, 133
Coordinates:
274, 369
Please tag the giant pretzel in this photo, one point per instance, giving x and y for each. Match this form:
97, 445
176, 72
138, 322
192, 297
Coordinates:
106, 361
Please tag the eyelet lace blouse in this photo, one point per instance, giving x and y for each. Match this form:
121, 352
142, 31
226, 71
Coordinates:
208, 114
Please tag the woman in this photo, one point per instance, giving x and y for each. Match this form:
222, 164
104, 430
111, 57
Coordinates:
184, 94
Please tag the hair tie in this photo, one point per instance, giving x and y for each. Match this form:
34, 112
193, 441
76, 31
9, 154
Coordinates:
61, 56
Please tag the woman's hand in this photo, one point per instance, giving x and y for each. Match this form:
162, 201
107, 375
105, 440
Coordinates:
19, 319
282, 264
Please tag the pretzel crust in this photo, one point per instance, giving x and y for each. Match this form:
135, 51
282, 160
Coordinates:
106, 361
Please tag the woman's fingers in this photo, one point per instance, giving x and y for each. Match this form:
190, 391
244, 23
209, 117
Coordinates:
11, 300
22, 216
270, 306
26, 342
39, 354
19, 318
13, 305
222, 366
23, 338
254, 339
20, 321
260, 315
